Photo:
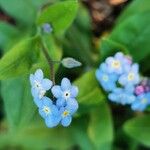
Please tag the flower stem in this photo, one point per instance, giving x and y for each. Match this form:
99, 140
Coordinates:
50, 62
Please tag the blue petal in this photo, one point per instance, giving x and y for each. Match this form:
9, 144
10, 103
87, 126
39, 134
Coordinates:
46, 84
35, 92
135, 67
32, 79
60, 102
51, 121
123, 80
119, 55
103, 67
42, 113
113, 97
38, 102
74, 91
138, 106
47, 101
72, 105
65, 84
56, 90
66, 121
39, 74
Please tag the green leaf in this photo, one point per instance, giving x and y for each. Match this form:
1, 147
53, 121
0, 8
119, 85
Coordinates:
7, 35
100, 128
18, 102
136, 7
60, 15
139, 128
19, 59
23, 11
134, 33
90, 94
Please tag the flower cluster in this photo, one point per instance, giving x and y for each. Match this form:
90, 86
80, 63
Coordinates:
120, 78
65, 105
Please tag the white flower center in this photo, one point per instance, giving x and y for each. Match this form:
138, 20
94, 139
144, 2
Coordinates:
47, 110
66, 94
41, 93
116, 64
131, 76
37, 84
105, 78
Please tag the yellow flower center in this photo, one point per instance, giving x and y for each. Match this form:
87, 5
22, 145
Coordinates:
116, 64
65, 113
130, 76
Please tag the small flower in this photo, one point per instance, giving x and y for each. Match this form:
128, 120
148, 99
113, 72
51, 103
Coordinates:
141, 102
107, 80
64, 93
131, 76
139, 90
47, 28
39, 85
66, 115
117, 63
49, 112
123, 96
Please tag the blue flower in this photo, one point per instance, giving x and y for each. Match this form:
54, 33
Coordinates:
107, 80
50, 113
39, 85
122, 96
117, 63
47, 28
65, 93
141, 102
131, 76
66, 115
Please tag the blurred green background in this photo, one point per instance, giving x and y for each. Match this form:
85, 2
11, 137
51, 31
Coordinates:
89, 31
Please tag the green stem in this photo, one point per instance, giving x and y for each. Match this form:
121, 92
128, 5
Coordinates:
50, 62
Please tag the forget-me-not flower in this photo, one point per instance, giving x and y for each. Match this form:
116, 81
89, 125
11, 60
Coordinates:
117, 63
65, 93
66, 115
122, 96
49, 112
131, 76
39, 84
141, 102
107, 80
47, 28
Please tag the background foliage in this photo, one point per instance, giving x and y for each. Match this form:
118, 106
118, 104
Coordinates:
98, 125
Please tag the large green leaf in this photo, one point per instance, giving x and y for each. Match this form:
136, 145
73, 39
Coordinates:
19, 59
60, 15
139, 129
100, 128
8, 35
18, 102
90, 94
134, 33
22, 10
136, 7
